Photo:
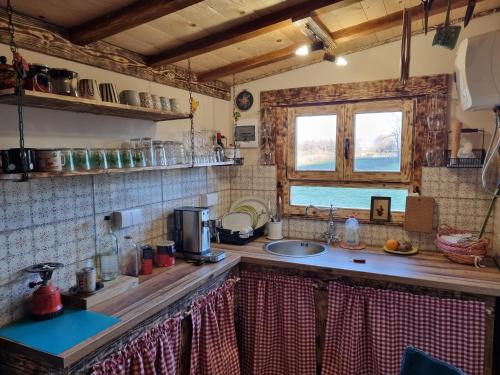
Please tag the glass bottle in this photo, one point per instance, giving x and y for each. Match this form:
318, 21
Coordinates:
108, 253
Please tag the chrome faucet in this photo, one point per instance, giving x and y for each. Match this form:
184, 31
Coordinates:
330, 236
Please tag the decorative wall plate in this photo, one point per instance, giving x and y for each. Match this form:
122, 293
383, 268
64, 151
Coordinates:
244, 100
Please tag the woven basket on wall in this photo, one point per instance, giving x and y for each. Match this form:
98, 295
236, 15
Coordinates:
467, 252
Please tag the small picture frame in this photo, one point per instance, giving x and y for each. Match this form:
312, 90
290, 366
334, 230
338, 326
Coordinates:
380, 209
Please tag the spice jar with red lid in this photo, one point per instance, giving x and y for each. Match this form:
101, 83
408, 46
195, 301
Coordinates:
165, 253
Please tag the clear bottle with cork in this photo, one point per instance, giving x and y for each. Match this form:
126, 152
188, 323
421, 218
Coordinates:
108, 253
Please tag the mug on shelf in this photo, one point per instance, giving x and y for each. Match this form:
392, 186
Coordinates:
89, 89
165, 104
81, 158
130, 97
108, 93
114, 158
98, 159
12, 160
49, 160
127, 157
64, 82
156, 101
69, 157
38, 78
174, 105
146, 100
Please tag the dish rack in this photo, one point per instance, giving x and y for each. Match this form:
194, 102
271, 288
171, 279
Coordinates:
233, 237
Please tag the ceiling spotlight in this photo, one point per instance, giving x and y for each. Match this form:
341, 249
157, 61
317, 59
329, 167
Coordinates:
302, 51
329, 57
340, 61
318, 46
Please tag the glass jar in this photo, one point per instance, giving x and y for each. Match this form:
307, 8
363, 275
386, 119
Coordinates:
127, 156
81, 158
135, 143
180, 154
114, 158
159, 153
149, 156
170, 152
98, 159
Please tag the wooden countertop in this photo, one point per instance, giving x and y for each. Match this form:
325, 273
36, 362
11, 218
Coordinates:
154, 293
165, 286
427, 268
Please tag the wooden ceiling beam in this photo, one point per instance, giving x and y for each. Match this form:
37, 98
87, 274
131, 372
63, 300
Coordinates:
391, 20
275, 20
250, 63
136, 14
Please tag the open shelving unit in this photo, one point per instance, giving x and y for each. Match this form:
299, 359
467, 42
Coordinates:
82, 105
18, 176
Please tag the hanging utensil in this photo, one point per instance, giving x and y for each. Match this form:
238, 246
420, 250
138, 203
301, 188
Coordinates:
447, 35
426, 5
469, 12
405, 47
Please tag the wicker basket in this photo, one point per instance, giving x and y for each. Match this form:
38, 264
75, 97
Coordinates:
467, 252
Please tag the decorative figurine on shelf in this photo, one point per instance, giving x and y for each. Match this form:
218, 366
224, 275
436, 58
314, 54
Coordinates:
351, 235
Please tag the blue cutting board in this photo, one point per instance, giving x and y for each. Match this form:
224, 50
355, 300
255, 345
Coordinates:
57, 335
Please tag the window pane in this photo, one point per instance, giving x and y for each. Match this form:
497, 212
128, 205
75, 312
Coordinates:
377, 142
345, 197
315, 143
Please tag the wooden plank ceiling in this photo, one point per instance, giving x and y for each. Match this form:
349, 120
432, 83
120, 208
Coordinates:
250, 39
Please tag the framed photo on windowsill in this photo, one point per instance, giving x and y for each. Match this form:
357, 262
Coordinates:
380, 209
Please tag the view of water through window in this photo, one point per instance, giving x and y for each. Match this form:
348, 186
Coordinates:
345, 197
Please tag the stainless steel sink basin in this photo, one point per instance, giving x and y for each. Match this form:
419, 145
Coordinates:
296, 248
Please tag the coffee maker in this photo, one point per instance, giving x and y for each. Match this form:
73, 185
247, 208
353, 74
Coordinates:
192, 235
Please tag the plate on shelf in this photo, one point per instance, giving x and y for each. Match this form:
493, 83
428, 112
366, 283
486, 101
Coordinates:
413, 251
236, 221
258, 204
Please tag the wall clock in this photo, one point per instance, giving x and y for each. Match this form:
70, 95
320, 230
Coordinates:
244, 100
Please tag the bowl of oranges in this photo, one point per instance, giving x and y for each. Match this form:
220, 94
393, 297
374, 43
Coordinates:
400, 247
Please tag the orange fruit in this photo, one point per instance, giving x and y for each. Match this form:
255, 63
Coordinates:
392, 245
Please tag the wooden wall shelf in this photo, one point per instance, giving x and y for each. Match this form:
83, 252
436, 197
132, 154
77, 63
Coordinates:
73, 104
32, 175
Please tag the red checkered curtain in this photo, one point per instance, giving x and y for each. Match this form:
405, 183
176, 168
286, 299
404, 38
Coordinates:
214, 349
368, 329
277, 328
157, 351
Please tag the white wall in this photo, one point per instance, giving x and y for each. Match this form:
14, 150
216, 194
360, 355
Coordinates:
378, 63
50, 128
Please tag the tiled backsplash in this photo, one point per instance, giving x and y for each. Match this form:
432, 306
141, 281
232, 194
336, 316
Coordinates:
62, 219
460, 202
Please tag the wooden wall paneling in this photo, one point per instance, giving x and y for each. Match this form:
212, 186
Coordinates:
38, 36
382, 89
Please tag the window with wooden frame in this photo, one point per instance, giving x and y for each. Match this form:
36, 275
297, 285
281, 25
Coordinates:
344, 154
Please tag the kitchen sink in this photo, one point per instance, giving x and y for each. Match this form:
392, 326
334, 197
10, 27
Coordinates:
295, 248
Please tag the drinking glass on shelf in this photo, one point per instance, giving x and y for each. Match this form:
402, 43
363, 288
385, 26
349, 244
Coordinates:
81, 159
127, 156
146, 142
98, 159
149, 156
139, 158
159, 153
68, 155
114, 158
